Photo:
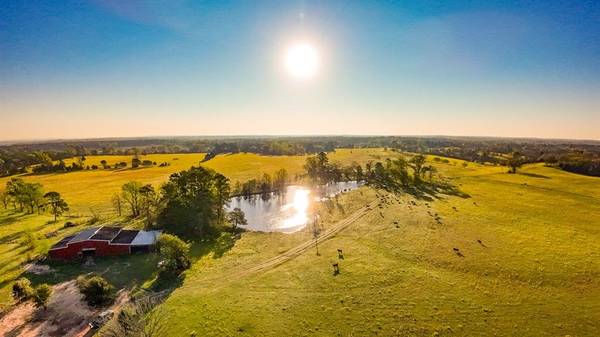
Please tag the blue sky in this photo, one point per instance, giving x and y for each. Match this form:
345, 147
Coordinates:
100, 68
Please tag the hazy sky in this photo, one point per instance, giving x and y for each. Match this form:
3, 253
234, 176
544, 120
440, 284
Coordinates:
139, 68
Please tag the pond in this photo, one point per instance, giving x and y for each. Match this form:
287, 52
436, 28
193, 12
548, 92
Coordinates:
289, 211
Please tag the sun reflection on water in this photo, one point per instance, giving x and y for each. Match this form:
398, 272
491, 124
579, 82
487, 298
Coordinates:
298, 209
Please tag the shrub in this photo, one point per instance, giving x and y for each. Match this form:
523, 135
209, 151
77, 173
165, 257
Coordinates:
21, 289
96, 290
41, 295
175, 253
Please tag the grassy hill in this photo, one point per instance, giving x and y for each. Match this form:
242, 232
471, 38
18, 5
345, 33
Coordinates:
527, 265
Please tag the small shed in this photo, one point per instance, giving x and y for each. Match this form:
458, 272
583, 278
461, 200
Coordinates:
104, 241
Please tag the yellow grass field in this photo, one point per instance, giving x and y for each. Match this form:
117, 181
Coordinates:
91, 190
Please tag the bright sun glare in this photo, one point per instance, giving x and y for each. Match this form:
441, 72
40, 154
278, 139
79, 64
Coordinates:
302, 61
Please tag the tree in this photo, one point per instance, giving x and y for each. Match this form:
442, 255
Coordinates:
117, 203
131, 194
25, 194
81, 161
5, 199
104, 164
14, 189
223, 191
318, 168
399, 172
193, 201
21, 289
266, 184
237, 218
41, 295
280, 179
417, 163
175, 253
431, 171
96, 290
515, 161
148, 202
136, 162
57, 204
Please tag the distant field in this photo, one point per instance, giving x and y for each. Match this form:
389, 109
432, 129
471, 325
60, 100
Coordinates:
93, 189
535, 271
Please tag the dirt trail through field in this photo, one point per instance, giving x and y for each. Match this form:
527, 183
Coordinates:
218, 282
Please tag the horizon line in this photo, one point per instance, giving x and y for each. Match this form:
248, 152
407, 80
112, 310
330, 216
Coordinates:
10, 142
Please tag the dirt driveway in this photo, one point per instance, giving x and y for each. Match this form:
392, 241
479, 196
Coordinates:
67, 315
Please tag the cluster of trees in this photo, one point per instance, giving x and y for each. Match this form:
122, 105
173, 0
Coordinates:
400, 174
22, 290
137, 162
139, 198
193, 201
263, 185
394, 174
30, 197
321, 171
190, 203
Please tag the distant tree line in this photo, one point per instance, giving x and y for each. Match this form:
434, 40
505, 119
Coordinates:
575, 156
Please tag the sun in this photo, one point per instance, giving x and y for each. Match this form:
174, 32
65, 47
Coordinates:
302, 61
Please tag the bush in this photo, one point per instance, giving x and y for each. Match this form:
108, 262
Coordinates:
175, 253
22, 290
41, 295
96, 290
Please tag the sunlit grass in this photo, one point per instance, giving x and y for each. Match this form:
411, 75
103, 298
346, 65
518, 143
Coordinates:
89, 192
534, 271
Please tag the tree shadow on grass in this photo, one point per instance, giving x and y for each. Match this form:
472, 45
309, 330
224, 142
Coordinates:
11, 238
217, 244
534, 175
428, 191
12, 217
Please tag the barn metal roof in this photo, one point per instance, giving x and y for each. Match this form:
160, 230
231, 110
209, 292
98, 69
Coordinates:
125, 236
63, 242
84, 235
145, 238
116, 235
106, 233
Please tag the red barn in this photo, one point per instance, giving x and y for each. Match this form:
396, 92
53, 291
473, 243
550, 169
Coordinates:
103, 241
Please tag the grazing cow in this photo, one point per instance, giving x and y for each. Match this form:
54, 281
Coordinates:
458, 252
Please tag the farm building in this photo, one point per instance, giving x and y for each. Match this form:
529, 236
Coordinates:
103, 241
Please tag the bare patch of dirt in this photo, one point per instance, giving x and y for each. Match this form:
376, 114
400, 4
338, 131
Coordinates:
67, 315
38, 269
